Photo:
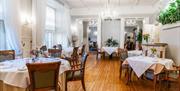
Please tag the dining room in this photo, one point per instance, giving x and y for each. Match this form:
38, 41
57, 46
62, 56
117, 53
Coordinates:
89, 45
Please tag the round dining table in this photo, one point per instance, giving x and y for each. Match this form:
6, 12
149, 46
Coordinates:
14, 75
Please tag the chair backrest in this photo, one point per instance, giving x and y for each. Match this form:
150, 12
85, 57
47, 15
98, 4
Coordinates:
83, 49
44, 76
83, 61
74, 58
59, 46
75, 52
55, 52
43, 48
7, 55
123, 54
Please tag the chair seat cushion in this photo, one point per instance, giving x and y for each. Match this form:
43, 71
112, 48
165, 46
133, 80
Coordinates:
74, 75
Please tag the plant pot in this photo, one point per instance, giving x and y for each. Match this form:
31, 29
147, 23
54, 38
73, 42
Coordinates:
140, 46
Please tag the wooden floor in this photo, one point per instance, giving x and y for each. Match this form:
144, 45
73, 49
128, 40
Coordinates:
103, 75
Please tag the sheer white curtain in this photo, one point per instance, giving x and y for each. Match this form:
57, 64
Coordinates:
10, 13
38, 22
63, 25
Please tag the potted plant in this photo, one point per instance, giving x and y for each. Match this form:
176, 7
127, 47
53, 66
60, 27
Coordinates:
139, 39
146, 37
111, 43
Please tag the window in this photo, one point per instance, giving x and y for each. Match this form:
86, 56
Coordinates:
2, 35
50, 26
2, 28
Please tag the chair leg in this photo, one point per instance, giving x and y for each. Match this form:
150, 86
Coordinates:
83, 84
104, 55
130, 75
120, 71
155, 81
127, 76
97, 56
65, 85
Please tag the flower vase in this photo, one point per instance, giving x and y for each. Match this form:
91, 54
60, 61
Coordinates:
35, 58
153, 55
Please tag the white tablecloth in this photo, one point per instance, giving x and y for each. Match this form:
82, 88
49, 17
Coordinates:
140, 64
15, 72
134, 53
67, 51
110, 50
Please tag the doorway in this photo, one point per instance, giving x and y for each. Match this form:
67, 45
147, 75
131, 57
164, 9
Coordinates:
133, 33
92, 35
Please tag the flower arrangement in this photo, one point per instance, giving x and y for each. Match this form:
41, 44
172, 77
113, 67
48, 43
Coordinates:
146, 37
35, 52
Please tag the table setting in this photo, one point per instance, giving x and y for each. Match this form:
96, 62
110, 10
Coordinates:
134, 53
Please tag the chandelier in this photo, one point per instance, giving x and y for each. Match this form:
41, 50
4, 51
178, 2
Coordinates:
108, 12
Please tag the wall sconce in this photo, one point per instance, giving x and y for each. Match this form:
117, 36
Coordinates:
26, 19
74, 29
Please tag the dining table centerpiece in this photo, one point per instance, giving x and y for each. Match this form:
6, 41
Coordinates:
35, 54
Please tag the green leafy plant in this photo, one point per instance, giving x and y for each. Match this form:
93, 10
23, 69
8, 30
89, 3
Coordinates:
153, 50
111, 43
139, 37
171, 14
146, 37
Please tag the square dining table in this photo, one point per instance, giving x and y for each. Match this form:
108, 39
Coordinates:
140, 64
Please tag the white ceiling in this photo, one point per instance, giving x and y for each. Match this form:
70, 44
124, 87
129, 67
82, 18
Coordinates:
99, 3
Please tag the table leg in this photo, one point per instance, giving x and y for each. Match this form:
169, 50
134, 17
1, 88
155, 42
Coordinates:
63, 78
155, 81
110, 56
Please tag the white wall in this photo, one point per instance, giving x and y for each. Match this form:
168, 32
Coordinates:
77, 29
111, 29
172, 37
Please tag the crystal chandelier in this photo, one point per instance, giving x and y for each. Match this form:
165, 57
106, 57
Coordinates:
108, 12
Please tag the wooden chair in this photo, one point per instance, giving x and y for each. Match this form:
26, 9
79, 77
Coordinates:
74, 59
83, 50
55, 53
7, 55
172, 76
59, 46
44, 76
99, 52
149, 74
77, 72
123, 55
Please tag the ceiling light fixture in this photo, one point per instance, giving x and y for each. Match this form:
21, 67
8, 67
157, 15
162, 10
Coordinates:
108, 12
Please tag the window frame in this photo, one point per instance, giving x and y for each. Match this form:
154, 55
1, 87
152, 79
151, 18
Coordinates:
47, 31
2, 21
